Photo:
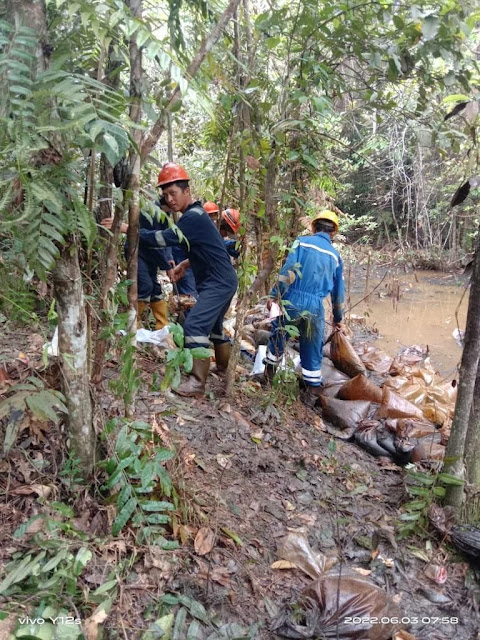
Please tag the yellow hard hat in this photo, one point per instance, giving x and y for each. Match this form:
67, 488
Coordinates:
326, 214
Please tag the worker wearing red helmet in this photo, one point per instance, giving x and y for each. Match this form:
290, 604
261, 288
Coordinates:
215, 277
229, 226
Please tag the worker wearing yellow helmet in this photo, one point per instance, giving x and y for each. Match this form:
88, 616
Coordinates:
313, 270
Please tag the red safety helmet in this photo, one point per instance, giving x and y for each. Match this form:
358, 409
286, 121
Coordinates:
211, 208
232, 218
171, 172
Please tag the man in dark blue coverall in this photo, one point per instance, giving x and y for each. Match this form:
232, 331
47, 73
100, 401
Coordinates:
150, 259
312, 271
215, 278
185, 285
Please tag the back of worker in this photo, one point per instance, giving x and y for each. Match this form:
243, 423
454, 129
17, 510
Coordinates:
316, 262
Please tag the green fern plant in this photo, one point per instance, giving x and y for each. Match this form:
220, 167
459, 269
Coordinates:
30, 395
47, 121
140, 482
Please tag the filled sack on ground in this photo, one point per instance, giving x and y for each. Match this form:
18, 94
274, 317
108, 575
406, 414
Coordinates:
360, 388
344, 356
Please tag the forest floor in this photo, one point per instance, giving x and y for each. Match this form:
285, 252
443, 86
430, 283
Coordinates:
251, 469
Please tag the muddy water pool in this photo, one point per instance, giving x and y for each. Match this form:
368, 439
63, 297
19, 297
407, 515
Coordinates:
417, 308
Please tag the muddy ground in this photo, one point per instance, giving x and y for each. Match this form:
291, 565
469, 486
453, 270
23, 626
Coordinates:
252, 470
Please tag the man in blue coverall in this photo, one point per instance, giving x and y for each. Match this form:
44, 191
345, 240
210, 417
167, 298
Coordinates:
185, 285
312, 271
215, 278
150, 259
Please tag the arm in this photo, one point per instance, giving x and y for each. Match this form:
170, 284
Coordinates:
338, 294
287, 274
107, 223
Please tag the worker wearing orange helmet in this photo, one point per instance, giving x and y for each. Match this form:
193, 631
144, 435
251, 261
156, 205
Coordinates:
215, 277
229, 226
212, 209
312, 271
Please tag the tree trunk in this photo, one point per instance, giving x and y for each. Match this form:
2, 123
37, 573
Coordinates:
471, 511
456, 448
72, 341
270, 210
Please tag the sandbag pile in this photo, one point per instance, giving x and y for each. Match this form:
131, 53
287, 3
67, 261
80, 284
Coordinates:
399, 419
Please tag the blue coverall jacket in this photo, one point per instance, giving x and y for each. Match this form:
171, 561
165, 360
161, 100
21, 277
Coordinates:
150, 259
215, 277
312, 271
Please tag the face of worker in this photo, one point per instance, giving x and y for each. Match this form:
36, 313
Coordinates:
177, 200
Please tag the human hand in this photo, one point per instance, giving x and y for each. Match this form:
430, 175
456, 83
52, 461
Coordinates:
338, 326
170, 275
270, 301
108, 223
178, 273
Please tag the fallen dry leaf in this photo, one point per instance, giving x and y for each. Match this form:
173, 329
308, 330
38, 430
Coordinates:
42, 490
363, 572
283, 564
204, 541
221, 575
7, 625
224, 461
403, 635
240, 420
90, 626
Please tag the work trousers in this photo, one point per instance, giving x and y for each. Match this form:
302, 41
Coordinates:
149, 289
204, 323
311, 327
185, 285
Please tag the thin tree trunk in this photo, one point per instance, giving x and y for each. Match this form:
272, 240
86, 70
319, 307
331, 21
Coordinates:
270, 210
456, 448
72, 341
134, 187
472, 442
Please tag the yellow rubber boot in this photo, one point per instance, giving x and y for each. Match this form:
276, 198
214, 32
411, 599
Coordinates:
141, 306
160, 313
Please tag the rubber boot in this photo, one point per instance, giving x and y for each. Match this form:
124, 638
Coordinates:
269, 373
141, 306
195, 385
160, 313
311, 395
222, 356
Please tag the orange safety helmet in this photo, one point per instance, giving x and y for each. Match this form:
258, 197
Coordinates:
171, 172
211, 208
232, 218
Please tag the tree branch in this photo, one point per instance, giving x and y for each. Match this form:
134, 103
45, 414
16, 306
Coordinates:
205, 48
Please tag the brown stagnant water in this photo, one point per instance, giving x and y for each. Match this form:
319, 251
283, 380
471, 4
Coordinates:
424, 314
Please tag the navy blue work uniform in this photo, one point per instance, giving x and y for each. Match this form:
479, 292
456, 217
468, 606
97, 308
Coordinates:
312, 271
150, 259
185, 285
231, 246
215, 277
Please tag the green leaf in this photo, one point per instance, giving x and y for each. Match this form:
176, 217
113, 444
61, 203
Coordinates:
163, 455
410, 516
41, 408
53, 562
111, 584
416, 505
196, 609
124, 516
24, 569
180, 622
158, 518
439, 492
84, 555
188, 360
231, 534
430, 27
155, 505
448, 479
201, 352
